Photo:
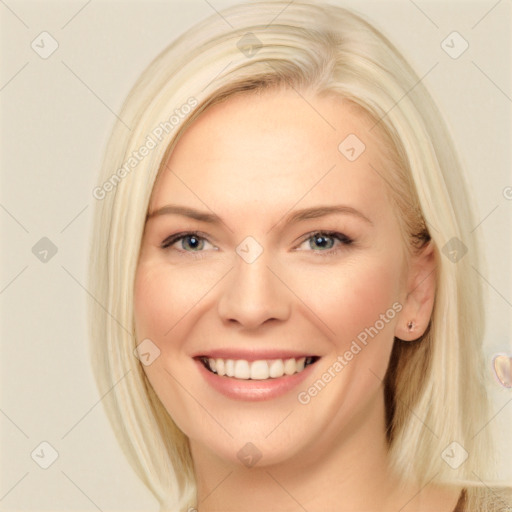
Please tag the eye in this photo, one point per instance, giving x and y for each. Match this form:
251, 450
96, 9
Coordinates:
326, 241
187, 242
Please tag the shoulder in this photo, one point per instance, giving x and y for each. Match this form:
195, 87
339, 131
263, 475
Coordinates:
486, 499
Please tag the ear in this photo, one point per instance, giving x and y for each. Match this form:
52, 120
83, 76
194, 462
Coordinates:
420, 293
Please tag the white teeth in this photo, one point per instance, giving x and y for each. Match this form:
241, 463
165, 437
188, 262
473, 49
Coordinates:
257, 370
220, 367
229, 367
242, 370
276, 368
290, 366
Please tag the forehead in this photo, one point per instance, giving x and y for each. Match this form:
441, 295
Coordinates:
272, 150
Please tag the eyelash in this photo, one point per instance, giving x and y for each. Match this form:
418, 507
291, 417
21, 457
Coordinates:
345, 241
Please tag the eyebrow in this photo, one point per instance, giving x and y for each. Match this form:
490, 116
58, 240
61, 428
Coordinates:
291, 218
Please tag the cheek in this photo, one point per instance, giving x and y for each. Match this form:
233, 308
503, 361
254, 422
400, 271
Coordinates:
161, 303
151, 303
352, 298
358, 301
162, 298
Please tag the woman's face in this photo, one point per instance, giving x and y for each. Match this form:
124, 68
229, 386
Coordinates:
295, 257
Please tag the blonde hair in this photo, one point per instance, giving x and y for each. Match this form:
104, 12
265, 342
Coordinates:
434, 388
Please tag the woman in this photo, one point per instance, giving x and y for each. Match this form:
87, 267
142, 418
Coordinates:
281, 299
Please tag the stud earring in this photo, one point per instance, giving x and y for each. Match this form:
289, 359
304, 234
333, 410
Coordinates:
411, 325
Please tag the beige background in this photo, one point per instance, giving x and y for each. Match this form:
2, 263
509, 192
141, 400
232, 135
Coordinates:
55, 117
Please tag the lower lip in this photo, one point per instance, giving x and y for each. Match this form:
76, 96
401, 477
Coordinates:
253, 390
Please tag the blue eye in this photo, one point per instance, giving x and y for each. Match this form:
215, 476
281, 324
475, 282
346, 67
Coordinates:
325, 241
190, 242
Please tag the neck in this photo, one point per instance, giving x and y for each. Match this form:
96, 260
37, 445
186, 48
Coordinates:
346, 472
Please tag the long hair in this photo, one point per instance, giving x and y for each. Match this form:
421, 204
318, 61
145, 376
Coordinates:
434, 388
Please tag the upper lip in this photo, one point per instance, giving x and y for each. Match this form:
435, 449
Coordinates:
252, 355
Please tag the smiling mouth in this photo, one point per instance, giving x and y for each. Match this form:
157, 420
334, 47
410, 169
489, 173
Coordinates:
256, 370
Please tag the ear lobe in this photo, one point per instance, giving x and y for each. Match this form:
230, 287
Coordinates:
420, 294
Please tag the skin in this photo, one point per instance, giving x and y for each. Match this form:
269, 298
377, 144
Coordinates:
252, 160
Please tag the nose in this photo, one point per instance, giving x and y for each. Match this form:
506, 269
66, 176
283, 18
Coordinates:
253, 294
